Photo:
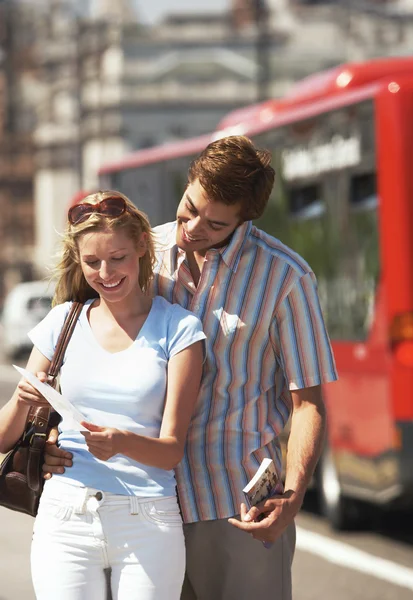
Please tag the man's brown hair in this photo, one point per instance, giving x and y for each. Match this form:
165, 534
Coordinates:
233, 171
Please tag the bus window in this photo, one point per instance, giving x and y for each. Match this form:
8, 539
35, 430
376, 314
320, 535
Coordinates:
305, 203
307, 226
348, 295
363, 222
333, 225
363, 192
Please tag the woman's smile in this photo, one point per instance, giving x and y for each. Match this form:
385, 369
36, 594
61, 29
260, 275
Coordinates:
114, 285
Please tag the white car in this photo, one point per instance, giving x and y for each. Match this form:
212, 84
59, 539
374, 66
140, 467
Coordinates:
24, 307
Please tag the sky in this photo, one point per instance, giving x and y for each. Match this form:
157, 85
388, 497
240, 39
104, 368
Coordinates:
151, 11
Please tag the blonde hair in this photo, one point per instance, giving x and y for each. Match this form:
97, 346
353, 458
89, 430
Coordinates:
71, 283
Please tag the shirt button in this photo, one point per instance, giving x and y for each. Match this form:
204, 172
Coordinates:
196, 307
99, 496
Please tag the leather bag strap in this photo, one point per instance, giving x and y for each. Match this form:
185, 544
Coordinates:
40, 417
56, 363
63, 340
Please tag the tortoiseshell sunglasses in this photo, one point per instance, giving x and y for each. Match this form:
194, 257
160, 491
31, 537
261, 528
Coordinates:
113, 206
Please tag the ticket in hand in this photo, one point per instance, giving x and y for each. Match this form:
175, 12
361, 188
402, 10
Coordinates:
71, 415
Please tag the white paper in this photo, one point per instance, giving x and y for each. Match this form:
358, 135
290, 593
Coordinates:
70, 414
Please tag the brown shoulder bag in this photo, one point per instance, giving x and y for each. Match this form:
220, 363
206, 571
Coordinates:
21, 478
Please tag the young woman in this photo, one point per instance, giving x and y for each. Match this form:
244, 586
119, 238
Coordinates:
133, 368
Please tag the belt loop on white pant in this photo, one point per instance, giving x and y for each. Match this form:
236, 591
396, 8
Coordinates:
134, 505
79, 506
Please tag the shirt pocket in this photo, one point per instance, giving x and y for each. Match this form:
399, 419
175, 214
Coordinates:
228, 323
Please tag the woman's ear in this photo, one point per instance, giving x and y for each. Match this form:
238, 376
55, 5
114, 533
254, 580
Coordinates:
143, 244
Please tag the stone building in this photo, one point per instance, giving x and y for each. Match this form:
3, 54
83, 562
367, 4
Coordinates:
94, 83
115, 86
17, 120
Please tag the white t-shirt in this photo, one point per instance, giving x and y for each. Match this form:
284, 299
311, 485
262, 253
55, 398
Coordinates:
125, 390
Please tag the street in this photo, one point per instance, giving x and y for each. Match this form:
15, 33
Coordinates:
370, 565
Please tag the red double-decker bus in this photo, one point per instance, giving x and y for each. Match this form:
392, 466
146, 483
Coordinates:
342, 145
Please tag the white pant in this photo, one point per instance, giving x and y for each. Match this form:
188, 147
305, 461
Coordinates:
79, 532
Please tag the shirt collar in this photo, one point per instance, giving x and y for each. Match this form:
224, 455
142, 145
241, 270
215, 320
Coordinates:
230, 254
165, 237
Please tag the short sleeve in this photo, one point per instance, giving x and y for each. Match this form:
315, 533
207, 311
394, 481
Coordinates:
45, 335
184, 329
300, 338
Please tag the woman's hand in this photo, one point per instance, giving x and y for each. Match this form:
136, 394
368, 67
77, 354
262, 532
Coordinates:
102, 442
28, 395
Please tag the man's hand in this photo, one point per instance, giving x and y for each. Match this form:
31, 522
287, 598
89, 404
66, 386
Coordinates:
268, 520
102, 442
55, 458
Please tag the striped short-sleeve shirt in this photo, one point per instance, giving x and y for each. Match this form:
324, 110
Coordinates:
265, 336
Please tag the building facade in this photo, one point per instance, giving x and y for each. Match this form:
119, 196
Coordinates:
84, 82
17, 120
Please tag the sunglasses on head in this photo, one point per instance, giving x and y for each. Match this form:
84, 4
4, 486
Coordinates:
109, 207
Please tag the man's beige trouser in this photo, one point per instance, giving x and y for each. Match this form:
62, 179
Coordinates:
224, 563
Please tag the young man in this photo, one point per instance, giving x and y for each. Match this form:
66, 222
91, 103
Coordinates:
267, 355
